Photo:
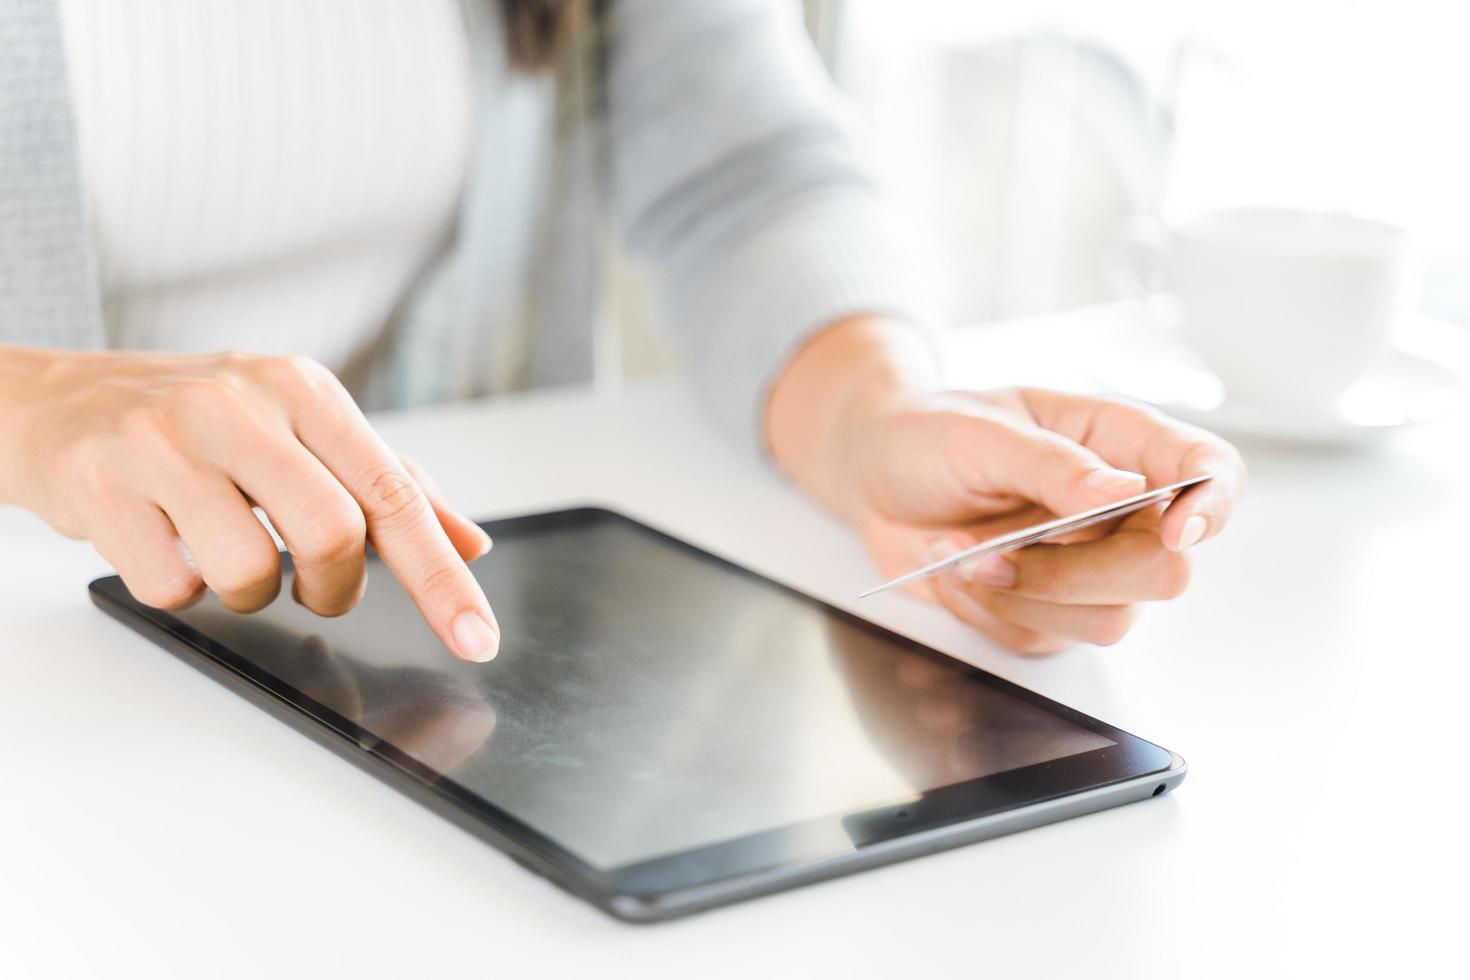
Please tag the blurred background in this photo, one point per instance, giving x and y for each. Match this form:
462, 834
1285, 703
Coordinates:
1019, 136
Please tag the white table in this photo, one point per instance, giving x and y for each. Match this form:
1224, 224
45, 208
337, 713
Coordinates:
155, 823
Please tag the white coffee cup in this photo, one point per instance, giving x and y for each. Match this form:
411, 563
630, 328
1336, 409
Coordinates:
1289, 308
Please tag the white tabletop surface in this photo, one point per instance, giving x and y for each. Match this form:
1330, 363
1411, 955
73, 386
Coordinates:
1315, 676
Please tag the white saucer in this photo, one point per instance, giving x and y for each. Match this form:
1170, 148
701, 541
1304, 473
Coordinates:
1401, 390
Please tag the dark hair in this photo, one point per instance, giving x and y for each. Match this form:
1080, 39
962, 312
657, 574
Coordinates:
534, 30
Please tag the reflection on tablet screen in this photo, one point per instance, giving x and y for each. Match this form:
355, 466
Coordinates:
648, 699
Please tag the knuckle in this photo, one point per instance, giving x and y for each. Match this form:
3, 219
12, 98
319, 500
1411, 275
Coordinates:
1141, 415
250, 596
175, 593
249, 573
93, 463
87, 449
147, 424
334, 539
394, 496
301, 374
333, 604
235, 361
305, 368
205, 397
1208, 449
442, 580
1230, 454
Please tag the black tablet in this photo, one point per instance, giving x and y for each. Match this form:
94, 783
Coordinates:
664, 731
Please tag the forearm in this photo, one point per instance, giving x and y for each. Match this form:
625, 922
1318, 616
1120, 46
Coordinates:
844, 373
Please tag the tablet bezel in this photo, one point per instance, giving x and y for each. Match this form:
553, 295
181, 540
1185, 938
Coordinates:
651, 889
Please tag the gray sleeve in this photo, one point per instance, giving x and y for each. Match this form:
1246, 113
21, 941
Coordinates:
734, 172
49, 289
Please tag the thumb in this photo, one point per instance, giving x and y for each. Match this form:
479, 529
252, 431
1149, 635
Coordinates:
1009, 458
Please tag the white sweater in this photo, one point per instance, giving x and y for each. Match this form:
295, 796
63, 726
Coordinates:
266, 175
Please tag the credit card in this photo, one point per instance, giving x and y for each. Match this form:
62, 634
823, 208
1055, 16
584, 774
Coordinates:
1037, 533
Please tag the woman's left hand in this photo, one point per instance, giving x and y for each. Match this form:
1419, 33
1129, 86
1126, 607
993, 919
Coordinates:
935, 473
856, 420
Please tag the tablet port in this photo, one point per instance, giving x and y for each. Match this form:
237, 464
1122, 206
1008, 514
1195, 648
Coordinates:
1159, 789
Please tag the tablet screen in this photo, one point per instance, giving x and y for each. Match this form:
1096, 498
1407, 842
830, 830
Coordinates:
648, 698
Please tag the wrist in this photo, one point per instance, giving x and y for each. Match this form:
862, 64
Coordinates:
22, 370
847, 374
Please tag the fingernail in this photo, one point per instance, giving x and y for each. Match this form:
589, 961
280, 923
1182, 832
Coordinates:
995, 571
474, 637
1194, 529
486, 543
1113, 481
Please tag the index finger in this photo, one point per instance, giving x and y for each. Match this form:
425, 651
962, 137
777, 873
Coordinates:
1142, 439
401, 523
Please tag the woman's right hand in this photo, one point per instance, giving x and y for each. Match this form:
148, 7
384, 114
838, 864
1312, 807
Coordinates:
158, 459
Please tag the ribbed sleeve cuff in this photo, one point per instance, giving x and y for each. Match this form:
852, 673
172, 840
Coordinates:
754, 302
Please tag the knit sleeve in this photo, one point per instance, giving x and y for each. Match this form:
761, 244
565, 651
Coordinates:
734, 171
